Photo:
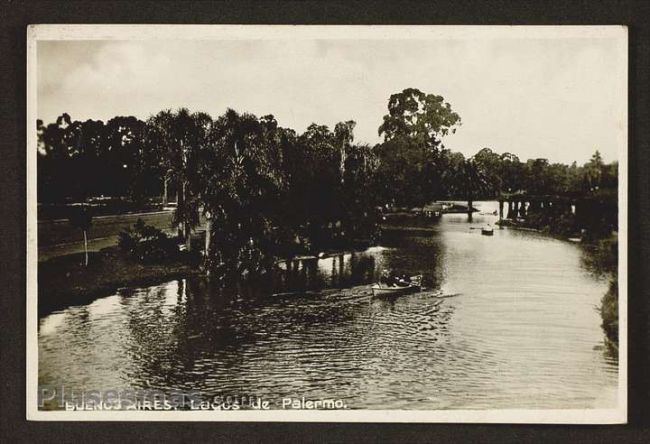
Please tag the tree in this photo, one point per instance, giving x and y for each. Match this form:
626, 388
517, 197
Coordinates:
359, 195
490, 163
511, 172
241, 179
344, 135
536, 176
178, 139
416, 115
82, 159
159, 142
413, 130
557, 179
468, 179
317, 183
56, 175
401, 173
609, 176
594, 171
86, 159
82, 219
128, 164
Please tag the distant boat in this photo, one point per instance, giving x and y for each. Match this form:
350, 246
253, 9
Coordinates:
382, 290
487, 231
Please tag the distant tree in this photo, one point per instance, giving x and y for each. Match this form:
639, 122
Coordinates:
87, 159
79, 159
594, 171
55, 171
536, 176
128, 166
574, 178
416, 115
511, 173
468, 179
490, 163
557, 179
609, 177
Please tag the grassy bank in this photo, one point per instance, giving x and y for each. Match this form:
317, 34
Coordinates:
609, 312
601, 256
64, 280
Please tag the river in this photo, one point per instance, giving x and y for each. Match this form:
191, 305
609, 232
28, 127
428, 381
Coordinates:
507, 321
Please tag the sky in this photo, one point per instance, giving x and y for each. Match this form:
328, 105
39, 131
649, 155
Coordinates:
557, 98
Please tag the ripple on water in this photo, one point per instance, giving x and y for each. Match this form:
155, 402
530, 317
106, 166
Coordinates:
520, 331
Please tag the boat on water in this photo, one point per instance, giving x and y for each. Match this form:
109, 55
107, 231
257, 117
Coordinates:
487, 231
414, 285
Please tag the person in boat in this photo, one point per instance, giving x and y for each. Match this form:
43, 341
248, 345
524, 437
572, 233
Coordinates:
393, 279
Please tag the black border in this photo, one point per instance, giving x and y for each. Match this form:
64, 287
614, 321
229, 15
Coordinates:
16, 15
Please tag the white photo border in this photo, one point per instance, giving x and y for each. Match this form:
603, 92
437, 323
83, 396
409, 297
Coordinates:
36, 33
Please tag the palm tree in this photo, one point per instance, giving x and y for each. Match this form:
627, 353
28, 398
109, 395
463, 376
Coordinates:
240, 178
159, 141
179, 137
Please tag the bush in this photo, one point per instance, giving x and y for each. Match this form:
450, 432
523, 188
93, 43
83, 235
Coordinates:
147, 244
609, 311
559, 225
601, 258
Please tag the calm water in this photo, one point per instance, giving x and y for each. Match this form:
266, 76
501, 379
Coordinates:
507, 321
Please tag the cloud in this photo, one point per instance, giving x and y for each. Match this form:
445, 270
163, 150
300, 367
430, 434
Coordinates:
536, 98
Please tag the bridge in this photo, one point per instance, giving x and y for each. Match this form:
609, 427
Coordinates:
596, 209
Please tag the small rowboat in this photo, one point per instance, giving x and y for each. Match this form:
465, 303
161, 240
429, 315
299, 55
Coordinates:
381, 290
487, 231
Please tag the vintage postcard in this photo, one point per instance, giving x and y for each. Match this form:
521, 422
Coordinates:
327, 223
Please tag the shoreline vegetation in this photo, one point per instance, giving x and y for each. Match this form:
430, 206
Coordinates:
64, 281
257, 192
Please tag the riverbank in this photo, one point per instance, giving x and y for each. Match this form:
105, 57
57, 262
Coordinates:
65, 281
512, 224
524, 226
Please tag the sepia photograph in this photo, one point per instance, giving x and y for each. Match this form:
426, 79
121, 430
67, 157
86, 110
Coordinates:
327, 223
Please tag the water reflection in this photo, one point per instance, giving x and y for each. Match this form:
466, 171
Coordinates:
504, 322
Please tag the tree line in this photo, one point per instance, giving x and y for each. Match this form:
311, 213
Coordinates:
268, 190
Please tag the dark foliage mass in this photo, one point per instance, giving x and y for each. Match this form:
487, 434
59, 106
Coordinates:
270, 192
601, 258
147, 244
